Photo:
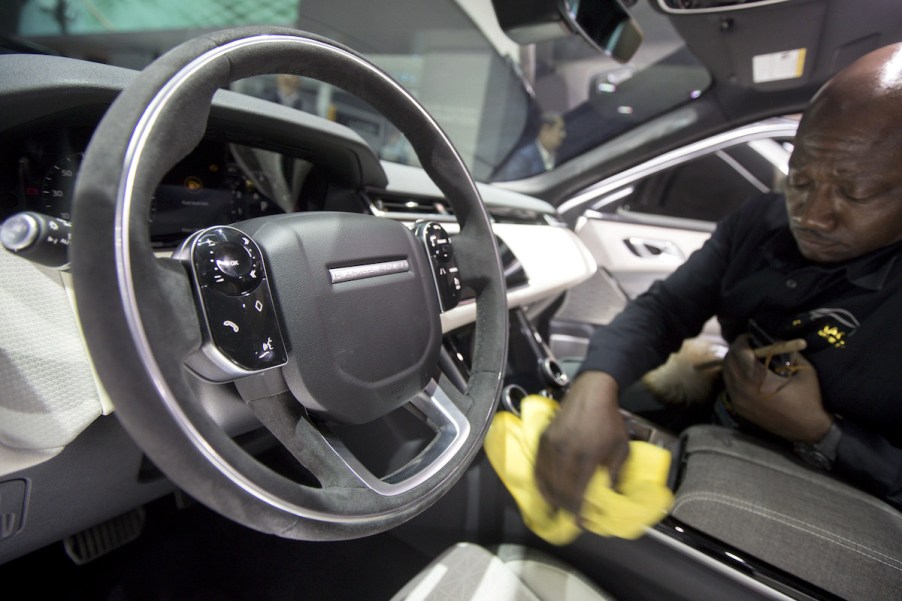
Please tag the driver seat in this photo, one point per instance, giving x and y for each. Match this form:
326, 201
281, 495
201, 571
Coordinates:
507, 573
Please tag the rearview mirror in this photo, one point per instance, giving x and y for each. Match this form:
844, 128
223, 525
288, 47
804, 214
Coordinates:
604, 24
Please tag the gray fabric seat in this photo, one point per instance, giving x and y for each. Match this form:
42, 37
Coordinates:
509, 573
765, 502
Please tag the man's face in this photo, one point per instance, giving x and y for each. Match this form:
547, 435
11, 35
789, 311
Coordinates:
551, 136
844, 190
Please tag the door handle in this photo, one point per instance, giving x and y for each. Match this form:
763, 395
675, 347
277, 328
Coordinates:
646, 248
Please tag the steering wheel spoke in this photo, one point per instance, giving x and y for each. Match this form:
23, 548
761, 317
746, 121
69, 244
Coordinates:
450, 428
321, 451
285, 417
172, 310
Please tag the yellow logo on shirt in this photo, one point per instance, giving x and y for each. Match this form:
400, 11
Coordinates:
833, 335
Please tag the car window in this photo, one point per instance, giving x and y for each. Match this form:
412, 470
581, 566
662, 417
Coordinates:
710, 187
487, 93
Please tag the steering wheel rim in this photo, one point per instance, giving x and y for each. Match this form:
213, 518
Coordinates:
138, 312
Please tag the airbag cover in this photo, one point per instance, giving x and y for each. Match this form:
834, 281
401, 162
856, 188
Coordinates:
361, 347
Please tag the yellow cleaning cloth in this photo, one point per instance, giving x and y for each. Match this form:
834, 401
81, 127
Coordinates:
643, 500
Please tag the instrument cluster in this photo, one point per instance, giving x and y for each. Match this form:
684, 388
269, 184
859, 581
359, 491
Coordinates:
208, 187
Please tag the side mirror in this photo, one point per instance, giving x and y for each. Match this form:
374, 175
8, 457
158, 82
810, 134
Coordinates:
604, 24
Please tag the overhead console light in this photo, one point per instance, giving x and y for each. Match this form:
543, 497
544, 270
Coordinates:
711, 6
604, 24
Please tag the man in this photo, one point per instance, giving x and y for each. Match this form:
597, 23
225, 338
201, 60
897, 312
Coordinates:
822, 264
539, 156
288, 91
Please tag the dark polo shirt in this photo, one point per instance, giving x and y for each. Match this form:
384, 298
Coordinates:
751, 269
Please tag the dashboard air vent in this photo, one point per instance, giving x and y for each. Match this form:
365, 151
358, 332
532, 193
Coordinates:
391, 205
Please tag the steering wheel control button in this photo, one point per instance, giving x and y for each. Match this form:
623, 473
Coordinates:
438, 243
244, 328
440, 252
233, 260
242, 333
227, 261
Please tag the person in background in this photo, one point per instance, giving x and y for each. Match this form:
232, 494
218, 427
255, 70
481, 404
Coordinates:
288, 91
539, 156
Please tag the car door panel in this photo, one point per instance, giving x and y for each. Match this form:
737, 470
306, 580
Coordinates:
637, 254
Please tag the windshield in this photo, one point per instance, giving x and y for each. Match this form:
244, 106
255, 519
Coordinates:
511, 111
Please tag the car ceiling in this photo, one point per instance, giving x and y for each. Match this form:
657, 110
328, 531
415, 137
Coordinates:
833, 33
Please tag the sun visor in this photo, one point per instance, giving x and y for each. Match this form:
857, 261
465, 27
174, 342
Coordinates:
761, 48
784, 45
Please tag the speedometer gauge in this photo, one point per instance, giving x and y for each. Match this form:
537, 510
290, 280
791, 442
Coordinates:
58, 186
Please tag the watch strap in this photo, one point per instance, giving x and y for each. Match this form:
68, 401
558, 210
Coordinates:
821, 454
829, 444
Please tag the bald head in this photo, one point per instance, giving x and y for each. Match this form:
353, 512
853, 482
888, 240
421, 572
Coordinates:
844, 192
873, 83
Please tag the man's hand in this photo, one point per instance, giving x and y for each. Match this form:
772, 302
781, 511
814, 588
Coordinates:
588, 431
788, 407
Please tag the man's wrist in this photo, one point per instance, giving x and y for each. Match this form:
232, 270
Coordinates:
822, 453
825, 425
602, 383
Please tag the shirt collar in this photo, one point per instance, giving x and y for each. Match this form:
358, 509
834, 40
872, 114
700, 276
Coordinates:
873, 270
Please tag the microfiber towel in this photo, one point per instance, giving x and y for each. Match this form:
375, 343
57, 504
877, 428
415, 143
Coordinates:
642, 498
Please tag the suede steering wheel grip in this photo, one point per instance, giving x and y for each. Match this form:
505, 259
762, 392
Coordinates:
140, 320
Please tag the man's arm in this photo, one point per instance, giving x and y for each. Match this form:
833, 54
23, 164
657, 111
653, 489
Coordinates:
656, 323
792, 409
588, 431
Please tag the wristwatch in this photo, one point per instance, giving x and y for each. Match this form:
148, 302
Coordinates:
821, 454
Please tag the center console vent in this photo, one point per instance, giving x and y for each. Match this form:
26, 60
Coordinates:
411, 207
407, 206
524, 216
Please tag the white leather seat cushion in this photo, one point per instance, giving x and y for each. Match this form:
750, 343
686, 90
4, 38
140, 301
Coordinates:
470, 572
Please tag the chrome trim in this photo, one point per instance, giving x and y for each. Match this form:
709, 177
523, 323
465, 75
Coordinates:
554, 373
122, 253
716, 9
451, 428
369, 270
508, 400
642, 248
695, 225
676, 157
681, 547
745, 173
32, 230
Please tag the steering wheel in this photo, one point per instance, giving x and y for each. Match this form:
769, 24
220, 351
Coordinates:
337, 314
